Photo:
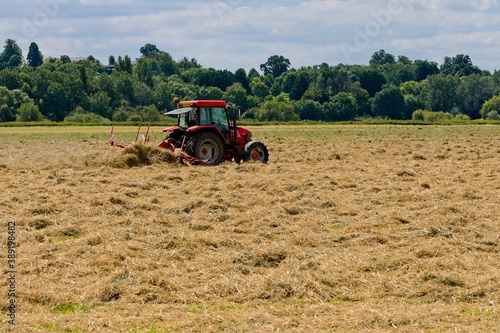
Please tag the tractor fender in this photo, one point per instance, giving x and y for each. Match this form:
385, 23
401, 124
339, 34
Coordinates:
171, 129
196, 129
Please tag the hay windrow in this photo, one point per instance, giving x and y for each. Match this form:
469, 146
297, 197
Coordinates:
138, 155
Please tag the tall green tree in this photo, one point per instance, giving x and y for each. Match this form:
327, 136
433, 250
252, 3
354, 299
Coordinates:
65, 59
412, 93
288, 81
403, 72
440, 93
99, 103
317, 92
149, 50
237, 94
185, 64
166, 64
241, 77
424, 69
300, 86
56, 104
124, 64
310, 110
389, 102
108, 84
209, 77
259, 88
371, 80
412, 88
211, 93
35, 57
473, 91
144, 71
180, 89
402, 59
163, 97
381, 57
253, 73
364, 107
143, 95
461, 64
275, 65
11, 78
342, 107
338, 79
12, 55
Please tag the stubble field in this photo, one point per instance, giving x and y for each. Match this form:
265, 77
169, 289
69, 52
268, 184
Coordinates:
346, 229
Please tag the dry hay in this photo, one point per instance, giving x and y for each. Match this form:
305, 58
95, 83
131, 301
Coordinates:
137, 155
346, 229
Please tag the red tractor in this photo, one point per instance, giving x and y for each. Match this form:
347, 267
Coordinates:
207, 133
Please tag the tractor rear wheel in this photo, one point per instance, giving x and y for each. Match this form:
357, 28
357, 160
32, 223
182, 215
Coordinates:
208, 147
256, 151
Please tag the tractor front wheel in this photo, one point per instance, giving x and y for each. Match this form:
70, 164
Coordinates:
208, 147
256, 151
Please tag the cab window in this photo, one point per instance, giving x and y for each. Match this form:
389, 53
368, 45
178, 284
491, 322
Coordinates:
187, 119
219, 119
205, 117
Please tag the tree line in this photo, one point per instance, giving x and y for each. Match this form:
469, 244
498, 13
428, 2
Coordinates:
84, 90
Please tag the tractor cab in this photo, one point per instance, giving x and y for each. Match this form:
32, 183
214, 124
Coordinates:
202, 115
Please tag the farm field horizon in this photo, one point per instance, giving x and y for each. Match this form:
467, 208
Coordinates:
348, 228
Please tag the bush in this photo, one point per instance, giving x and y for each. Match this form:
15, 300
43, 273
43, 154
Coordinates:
137, 114
490, 106
249, 114
134, 118
6, 114
462, 116
431, 116
435, 117
309, 110
276, 111
342, 107
418, 115
82, 117
123, 112
148, 113
120, 115
29, 112
493, 115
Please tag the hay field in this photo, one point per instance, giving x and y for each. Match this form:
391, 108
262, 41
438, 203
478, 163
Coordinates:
347, 229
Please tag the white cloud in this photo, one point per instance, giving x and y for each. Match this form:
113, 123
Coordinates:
484, 4
244, 33
104, 3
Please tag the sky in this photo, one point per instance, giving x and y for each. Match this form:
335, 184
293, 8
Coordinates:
232, 34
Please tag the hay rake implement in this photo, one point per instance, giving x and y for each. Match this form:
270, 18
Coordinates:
139, 138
